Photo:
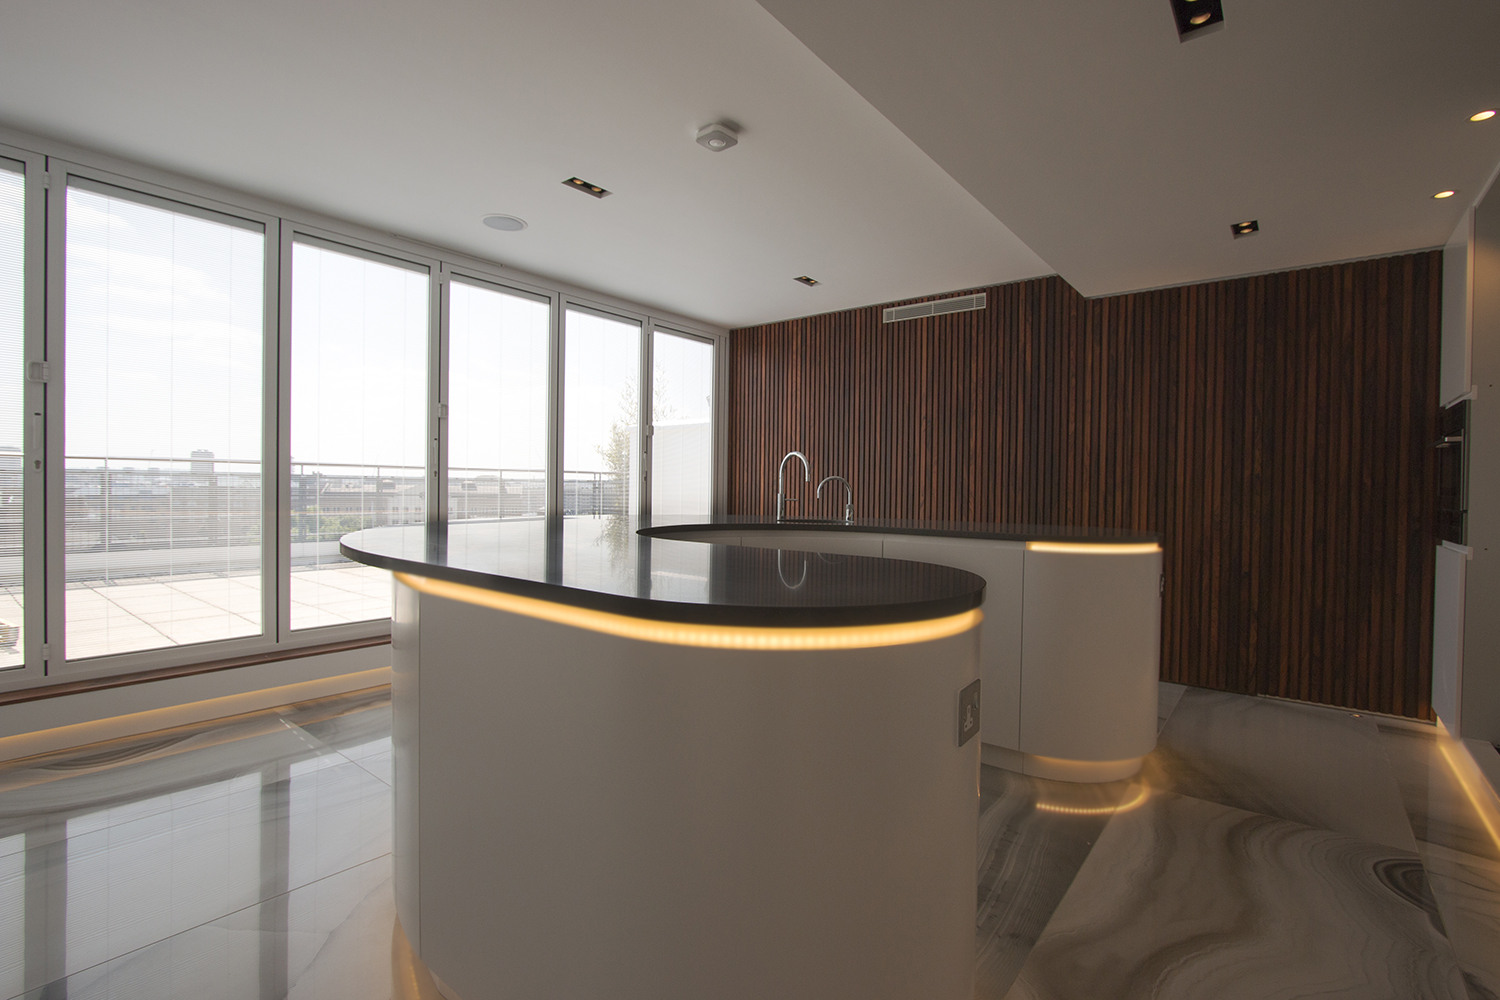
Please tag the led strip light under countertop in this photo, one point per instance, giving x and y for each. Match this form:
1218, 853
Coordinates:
737, 637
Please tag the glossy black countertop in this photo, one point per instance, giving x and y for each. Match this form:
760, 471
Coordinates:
952, 529
608, 564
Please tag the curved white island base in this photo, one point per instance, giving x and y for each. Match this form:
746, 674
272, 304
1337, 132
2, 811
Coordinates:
583, 815
1071, 642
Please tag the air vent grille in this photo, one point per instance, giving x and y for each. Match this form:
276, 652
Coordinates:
959, 303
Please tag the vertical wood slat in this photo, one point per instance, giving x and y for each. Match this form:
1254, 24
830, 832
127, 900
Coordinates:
1274, 430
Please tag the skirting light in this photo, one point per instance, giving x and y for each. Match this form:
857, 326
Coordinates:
1483, 116
1472, 781
1095, 548
748, 638
1445, 194
1142, 793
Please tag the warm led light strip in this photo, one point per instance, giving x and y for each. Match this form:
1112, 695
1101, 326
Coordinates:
1142, 794
1095, 548
1469, 778
745, 637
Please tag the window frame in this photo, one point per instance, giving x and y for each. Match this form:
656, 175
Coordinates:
61, 177
286, 636
483, 278
34, 395
48, 167
718, 430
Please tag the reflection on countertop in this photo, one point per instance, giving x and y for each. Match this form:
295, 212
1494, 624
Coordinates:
608, 564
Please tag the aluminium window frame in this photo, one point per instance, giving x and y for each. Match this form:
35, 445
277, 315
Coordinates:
33, 170
484, 278
334, 242
718, 426
574, 303
63, 175
42, 156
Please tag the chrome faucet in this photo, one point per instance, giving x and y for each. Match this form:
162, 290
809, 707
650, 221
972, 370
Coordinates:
781, 498
848, 496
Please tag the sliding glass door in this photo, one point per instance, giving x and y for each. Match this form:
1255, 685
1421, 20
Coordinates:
498, 347
359, 336
12, 413
164, 331
682, 423
601, 414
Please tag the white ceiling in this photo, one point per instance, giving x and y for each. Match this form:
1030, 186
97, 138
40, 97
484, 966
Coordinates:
419, 118
1121, 155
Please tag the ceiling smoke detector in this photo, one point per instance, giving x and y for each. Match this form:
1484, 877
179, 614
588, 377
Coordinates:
718, 136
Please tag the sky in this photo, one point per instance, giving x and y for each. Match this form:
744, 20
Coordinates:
165, 327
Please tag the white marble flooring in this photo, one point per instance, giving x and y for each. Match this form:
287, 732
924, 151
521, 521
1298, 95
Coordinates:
1268, 850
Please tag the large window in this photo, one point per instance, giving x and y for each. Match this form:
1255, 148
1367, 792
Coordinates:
682, 435
200, 396
358, 425
601, 421
165, 336
497, 402
12, 414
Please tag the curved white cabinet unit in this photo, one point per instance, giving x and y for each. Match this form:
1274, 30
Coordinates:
1071, 642
673, 770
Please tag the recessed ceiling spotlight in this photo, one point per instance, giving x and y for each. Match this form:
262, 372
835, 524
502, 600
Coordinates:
1196, 17
1483, 116
586, 187
1244, 228
505, 223
809, 282
718, 136
1445, 194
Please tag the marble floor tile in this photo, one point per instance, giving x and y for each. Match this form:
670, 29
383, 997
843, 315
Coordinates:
134, 842
1034, 835
1167, 697
1439, 810
1315, 766
1184, 898
1467, 890
335, 939
1460, 854
356, 725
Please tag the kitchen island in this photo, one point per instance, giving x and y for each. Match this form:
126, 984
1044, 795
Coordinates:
639, 766
1071, 640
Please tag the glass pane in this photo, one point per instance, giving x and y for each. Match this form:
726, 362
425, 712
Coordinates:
359, 424
601, 423
682, 438
164, 329
497, 403
12, 413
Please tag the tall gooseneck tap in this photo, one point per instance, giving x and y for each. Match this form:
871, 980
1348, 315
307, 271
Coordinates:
781, 498
848, 496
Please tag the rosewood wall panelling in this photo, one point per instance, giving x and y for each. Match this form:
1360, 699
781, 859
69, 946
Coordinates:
1277, 431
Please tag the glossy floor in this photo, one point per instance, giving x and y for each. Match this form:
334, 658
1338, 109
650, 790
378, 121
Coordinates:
1268, 850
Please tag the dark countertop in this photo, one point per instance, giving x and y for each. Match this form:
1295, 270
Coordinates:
953, 529
614, 564
607, 564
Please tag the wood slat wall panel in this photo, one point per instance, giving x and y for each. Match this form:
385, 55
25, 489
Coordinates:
1275, 430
